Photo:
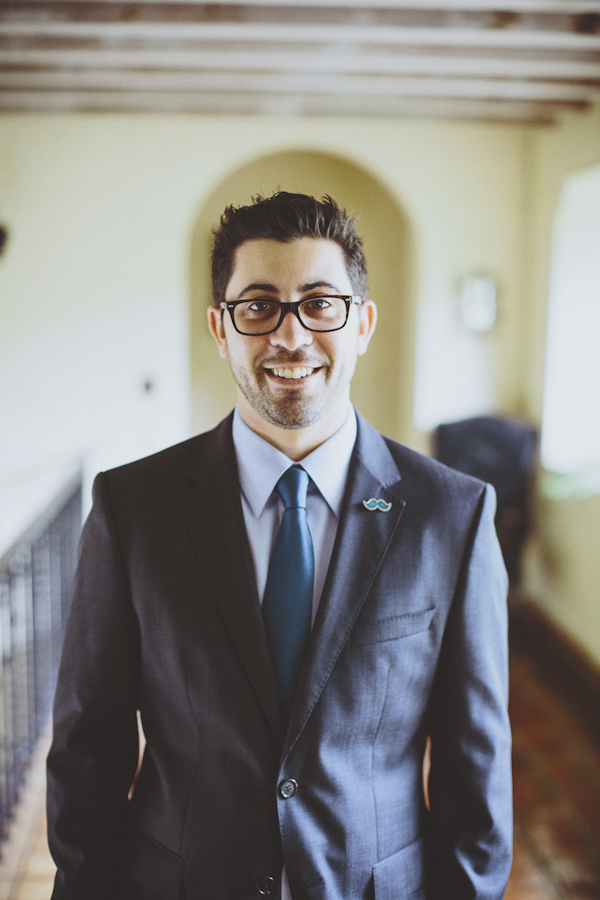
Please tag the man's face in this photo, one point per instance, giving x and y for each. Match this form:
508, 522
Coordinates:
292, 377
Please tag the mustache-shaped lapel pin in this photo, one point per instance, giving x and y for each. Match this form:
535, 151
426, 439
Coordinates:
374, 504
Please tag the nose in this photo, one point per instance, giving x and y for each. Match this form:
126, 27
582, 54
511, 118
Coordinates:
291, 334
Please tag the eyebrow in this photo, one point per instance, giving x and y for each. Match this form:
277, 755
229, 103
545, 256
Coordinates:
258, 286
271, 289
318, 284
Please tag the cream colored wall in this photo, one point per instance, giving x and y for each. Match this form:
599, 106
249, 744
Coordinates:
96, 280
92, 294
563, 571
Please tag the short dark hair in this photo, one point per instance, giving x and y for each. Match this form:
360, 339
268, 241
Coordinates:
286, 217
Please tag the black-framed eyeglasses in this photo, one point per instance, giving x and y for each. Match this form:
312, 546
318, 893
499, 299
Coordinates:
261, 315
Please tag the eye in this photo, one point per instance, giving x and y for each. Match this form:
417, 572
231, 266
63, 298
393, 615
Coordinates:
317, 303
261, 306
329, 309
259, 309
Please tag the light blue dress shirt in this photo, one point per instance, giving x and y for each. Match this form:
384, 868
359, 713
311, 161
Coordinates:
260, 466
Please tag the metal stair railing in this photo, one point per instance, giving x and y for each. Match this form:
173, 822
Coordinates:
36, 577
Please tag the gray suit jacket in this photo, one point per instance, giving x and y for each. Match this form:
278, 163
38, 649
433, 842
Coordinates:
409, 641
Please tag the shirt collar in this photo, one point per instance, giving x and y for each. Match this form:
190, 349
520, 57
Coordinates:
261, 465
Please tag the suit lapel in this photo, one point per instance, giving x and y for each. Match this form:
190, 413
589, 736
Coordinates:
362, 541
213, 514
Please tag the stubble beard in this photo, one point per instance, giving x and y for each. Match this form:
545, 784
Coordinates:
293, 408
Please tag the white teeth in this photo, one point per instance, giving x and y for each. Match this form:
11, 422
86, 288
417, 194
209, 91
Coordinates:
298, 372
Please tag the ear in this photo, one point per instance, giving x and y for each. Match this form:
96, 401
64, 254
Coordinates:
366, 326
217, 329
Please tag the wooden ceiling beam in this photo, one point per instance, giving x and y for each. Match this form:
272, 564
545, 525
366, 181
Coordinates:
363, 64
282, 104
266, 32
130, 17
348, 35
543, 7
299, 84
474, 65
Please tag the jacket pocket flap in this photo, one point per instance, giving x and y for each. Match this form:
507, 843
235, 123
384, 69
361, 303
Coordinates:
399, 874
155, 868
394, 627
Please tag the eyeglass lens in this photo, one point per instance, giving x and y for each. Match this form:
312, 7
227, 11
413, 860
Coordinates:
317, 313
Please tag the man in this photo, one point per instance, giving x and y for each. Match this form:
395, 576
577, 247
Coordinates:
294, 604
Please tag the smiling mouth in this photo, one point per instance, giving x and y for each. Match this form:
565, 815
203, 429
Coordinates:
292, 374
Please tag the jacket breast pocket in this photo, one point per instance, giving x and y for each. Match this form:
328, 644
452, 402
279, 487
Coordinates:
390, 629
400, 876
155, 870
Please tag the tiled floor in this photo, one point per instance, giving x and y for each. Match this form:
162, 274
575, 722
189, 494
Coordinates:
557, 805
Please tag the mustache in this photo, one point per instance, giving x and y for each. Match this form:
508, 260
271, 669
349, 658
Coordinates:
290, 361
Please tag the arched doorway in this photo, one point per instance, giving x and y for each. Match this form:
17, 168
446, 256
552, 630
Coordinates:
382, 389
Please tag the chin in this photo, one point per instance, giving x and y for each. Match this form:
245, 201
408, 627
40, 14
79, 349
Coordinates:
291, 417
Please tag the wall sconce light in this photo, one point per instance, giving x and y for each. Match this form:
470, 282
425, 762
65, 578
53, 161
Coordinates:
477, 303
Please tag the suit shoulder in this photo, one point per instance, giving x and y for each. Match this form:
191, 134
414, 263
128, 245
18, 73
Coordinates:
196, 454
412, 463
426, 483
392, 462
422, 482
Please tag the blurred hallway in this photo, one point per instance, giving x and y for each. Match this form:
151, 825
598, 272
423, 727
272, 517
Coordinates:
556, 775
480, 220
556, 764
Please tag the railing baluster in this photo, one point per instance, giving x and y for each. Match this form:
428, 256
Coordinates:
36, 578
42, 623
6, 739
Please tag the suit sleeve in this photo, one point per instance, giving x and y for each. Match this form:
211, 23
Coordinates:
470, 790
94, 753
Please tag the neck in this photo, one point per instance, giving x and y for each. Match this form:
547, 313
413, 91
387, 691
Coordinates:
296, 443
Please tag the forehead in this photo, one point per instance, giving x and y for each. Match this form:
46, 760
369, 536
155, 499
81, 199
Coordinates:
289, 266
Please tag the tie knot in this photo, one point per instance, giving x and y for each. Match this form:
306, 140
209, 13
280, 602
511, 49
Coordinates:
292, 487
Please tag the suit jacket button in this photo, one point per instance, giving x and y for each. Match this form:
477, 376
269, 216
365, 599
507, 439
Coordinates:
265, 886
287, 788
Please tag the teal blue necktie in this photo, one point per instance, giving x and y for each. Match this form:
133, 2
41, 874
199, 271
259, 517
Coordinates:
287, 603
